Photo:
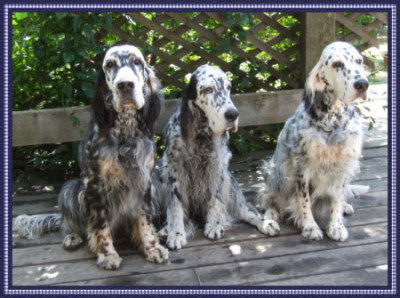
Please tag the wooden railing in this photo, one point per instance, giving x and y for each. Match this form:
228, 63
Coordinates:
68, 124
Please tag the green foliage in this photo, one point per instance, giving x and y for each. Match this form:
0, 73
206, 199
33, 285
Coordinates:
52, 58
51, 162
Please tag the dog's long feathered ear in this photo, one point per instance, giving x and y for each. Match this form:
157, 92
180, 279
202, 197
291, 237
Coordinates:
103, 113
154, 98
312, 84
186, 115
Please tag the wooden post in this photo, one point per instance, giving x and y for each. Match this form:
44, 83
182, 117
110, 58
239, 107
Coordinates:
317, 31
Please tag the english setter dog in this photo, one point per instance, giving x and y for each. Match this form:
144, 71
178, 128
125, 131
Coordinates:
194, 168
319, 148
116, 158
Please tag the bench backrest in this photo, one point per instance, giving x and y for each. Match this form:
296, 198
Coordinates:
68, 124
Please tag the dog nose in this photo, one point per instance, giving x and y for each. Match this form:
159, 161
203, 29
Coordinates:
361, 85
231, 115
125, 86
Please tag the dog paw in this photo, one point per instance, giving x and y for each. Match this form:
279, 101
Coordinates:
176, 240
272, 214
348, 209
312, 232
157, 254
109, 262
214, 232
72, 241
269, 227
337, 231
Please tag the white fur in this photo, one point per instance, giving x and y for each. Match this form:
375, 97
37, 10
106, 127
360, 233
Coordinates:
319, 149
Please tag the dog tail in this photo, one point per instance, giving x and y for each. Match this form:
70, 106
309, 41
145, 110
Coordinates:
352, 190
32, 226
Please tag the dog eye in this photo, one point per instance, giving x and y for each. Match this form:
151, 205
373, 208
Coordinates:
337, 64
229, 87
137, 62
109, 64
208, 90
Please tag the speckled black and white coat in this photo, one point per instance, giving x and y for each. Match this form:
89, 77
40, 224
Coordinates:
116, 158
318, 150
194, 168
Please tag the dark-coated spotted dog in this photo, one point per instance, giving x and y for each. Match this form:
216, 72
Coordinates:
116, 158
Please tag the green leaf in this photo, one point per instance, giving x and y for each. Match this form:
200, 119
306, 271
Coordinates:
88, 89
61, 15
67, 91
21, 15
371, 125
244, 82
76, 22
68, 57
60, 149
74, 120
87, 29
81, 52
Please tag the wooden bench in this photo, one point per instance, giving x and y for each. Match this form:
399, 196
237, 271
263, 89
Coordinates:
243, 256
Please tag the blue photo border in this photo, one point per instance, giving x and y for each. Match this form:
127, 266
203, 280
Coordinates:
8, 7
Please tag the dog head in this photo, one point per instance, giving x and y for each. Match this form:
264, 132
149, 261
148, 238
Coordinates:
209, 90
339, 72
125, 80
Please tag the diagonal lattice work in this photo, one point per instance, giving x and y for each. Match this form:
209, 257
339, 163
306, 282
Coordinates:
259, 51
360, 29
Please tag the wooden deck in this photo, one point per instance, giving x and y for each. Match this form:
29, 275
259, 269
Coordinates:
243, 256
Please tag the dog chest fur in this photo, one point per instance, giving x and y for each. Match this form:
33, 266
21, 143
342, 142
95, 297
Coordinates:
322, 154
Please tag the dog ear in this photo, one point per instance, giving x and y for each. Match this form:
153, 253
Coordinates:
154, 98
307, 98
312, 84
186, 115
103, 112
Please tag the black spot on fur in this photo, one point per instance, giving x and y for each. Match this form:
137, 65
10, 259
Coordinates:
177, 194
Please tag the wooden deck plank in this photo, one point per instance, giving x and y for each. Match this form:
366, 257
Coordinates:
195, 257
180, 277
371, 276
271, 269
48, 253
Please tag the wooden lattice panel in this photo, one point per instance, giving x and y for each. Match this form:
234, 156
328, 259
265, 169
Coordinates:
352, 28
261, 57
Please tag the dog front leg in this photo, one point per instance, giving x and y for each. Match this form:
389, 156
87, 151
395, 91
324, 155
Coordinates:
176, 238
336, 229
216, 221
218, 218
152, 248
101, 243
304, 216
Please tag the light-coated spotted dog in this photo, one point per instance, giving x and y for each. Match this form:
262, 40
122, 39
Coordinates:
194, 168
319, 148
116, 158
